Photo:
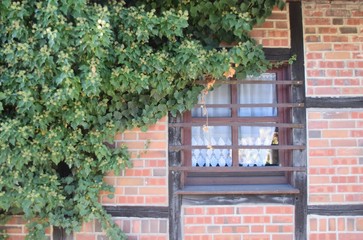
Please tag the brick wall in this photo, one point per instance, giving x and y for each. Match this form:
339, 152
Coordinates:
335, 156
334, 63
146, 183
334, 47
247, 222
335, 228
275, 31
135, 228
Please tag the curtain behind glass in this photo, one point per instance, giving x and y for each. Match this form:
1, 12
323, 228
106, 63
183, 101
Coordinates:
254, 94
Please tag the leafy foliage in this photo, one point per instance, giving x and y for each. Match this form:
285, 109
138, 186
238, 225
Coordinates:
74, 72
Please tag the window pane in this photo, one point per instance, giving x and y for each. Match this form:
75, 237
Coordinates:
259, 136
211, 158
212, 136
257, 93
220, 95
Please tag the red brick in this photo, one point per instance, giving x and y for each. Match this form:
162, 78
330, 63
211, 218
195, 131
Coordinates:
350, 152
327, 30
346, 82
337, 55
359, 224
319, 179
152, 136
257, 228
318, 143
198, 220
341, 224
282, 219
321, 198
344, 161
319, 161
194, 229
256, 237
357, 170
220, 210
335, 133
152, 191
332, 64
322, 236
313, 224
156, 200
323, 189
130, 181
85, 236
312, 38
317, 21
314, 56
352, 91
194, 211
255, 219
344, 179
331, 91
283, 236
351, 236
350, 188
321, 152
248, 210
153, 154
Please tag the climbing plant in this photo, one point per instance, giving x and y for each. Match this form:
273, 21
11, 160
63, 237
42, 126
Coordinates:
73, 73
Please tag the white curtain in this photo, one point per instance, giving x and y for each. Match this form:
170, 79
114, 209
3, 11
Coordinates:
254, 94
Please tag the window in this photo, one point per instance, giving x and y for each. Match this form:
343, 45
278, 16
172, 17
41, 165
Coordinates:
241, 133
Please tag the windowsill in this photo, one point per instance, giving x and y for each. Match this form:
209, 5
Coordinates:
238, 189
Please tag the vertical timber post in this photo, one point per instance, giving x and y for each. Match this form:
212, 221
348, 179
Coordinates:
299, 115
174, 181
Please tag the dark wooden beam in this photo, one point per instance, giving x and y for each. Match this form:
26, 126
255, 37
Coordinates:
336, 210
334, 102
299, 179
277, 54
138, 211
175, 200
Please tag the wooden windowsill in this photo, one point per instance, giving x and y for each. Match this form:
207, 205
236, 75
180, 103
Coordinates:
238, 189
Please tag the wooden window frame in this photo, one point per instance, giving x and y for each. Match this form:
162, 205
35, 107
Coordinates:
237, 175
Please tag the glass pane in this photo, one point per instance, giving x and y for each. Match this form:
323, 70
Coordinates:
220, 95
259, 136
211, 157
211, 136
257, 93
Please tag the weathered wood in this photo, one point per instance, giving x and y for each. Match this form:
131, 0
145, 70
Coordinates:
138, 211
254, 81
273, 147
239, 189
232, 123
336, 210
239, 169
237, 199
250, 105
334, 102
277, 54
175, 138
299, 179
